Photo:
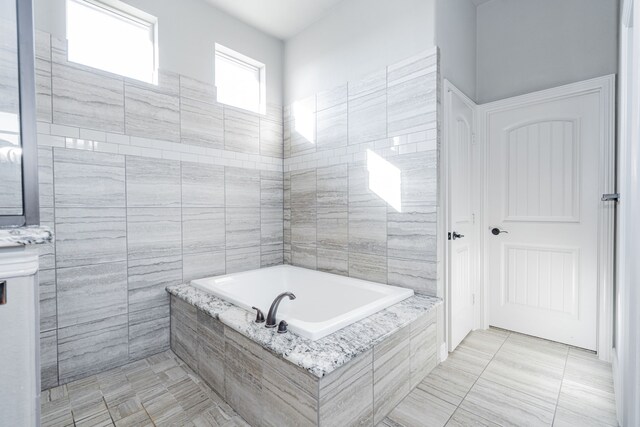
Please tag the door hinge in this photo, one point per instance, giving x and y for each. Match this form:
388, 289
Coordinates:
473, 299
473, 138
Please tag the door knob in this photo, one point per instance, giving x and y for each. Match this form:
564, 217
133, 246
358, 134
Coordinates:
455, 235
495, 231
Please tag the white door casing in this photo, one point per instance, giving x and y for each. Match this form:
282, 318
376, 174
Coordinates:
548, 159
461, 253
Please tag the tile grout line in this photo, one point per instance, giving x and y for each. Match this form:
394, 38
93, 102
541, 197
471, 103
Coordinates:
564, 370
474, 383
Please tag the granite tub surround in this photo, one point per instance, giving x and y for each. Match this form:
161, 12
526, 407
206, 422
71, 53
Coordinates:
145, 186
356, 375
24, 236
361, 177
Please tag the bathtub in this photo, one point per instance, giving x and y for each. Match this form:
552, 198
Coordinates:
324, 302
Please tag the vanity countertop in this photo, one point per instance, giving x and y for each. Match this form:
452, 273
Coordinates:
317, 357
23, 236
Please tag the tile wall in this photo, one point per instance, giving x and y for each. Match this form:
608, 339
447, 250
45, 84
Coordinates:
145, 186
360, 177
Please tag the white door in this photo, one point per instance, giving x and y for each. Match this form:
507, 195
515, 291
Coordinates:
543, 198
460, 122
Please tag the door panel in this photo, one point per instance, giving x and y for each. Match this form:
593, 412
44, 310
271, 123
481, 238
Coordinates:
462, 252
543, 163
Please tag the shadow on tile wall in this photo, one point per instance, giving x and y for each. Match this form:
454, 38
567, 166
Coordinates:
360, 177
146, 186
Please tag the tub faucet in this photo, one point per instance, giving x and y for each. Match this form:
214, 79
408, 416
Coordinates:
271, 317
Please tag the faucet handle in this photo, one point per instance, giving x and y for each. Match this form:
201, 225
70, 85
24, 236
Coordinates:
282, 327
259, 315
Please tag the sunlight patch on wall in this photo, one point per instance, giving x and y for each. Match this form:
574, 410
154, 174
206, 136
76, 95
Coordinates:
304, 119
385, 180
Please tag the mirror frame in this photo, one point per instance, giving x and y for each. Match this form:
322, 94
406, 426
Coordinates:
28, 133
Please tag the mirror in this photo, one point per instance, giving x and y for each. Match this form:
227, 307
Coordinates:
18, 163
10, 145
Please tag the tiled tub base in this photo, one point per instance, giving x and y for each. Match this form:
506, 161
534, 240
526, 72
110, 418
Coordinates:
267, 390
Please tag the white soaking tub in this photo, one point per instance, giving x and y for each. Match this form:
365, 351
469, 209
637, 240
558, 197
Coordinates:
324, 302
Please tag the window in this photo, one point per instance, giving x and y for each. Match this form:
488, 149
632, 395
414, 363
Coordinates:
240, 80
113, 36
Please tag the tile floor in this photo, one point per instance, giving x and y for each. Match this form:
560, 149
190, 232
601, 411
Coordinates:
498, 378
493, 378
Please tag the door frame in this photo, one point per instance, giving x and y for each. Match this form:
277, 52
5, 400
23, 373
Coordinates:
605, 88
449, 89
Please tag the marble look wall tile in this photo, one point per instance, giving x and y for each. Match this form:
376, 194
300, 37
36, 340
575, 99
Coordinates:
86, 236
153, 232
271, 255
202, 185
333, 260
203, 230
368, 118
89, 348
241, 131
207, 264
243, 376
368, 267
48, 359
210, 352
415, 274
48, 307
303, 226
412, 235
197, 90
270, 138
391, 373
360, 194
87, 99
153, 111
271, 189
147, 280
47, 253
340, 404
184, 334
419, 179
303, 189
45, 176
368, 230
242, 187
423, 345
201, 123
369, 84
332, 230
332, 127
242, 227
304, 255
91, 293
145, 178
271, 226
242, 259
412, 97
332, 187
412, 105
43, 76
148, 337
88, 179
302, 126
332, 97
291, 394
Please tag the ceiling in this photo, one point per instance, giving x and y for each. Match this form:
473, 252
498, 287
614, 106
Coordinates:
479, 2
279, 18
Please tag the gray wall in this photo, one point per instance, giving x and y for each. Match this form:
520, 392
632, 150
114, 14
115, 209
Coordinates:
525, 45
145, 186
456, 38
342, 142
188, 30
357, 37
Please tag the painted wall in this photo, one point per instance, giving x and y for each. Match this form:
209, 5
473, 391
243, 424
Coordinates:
525, 45
356, 38
456, 38
145, 186
187, 32
361, 176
